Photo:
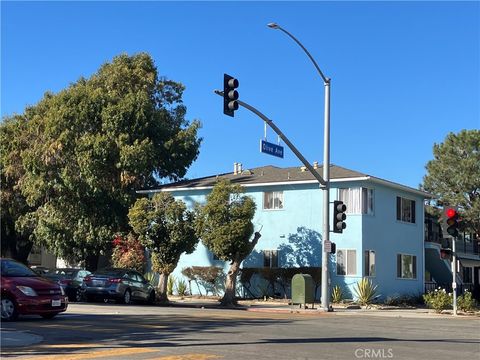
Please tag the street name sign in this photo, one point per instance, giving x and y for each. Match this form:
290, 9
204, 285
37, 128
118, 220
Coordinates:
271, 149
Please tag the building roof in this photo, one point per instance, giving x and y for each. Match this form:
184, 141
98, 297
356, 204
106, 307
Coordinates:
272, 175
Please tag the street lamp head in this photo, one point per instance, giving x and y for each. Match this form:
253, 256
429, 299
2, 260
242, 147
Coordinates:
273, 25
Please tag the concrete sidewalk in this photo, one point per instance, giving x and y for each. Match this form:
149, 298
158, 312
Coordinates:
285, 308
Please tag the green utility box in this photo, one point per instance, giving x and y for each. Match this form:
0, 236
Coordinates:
302, 290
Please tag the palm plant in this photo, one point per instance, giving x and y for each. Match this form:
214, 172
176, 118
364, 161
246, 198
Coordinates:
365, 291
182, 287
337, 295
170, 285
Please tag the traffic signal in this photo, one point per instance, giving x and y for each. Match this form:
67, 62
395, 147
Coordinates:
230, 95
339, 216
333, 248
451, 216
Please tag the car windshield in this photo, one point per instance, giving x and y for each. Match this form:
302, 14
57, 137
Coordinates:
110, 272
64, 273
15, 269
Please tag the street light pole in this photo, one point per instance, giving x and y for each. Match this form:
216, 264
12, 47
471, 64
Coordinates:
326, 171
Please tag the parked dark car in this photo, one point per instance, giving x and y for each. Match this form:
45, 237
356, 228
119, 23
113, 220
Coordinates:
25, 292
70, 280
122, 285
40, 270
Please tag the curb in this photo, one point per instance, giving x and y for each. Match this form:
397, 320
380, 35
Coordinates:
315, 312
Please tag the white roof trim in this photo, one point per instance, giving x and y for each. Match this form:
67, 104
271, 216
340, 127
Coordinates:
301, 182
391, 184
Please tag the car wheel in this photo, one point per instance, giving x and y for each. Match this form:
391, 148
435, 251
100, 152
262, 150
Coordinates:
127, 297
49, 316
78, 295
151, 298
9, 309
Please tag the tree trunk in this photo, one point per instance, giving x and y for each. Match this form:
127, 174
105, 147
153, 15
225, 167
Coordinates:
229, 298
91, 263
23, 250
162, 288
231, 283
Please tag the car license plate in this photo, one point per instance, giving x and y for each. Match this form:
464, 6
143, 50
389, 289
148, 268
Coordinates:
97, 282
56, 302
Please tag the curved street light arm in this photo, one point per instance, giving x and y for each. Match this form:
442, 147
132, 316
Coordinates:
325, 79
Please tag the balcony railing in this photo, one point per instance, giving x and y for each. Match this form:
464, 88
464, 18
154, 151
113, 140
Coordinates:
463, 246
467, 247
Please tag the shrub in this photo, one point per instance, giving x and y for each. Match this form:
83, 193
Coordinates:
404, 300
438, 300
170, 284
128, 253
337, 295
182, 287
152, 278
466, 302
365, 291
209, 277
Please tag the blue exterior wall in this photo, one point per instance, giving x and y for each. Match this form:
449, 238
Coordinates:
296, 231
388, 236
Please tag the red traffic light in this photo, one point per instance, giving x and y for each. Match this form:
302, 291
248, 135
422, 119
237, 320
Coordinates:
450, 212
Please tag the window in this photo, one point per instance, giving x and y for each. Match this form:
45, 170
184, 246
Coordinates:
358, 200
405, 210
273, 200
467, 275
369, 263
270, 258
406, 266
346, 262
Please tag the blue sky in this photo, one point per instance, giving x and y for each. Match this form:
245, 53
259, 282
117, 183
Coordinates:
404, 74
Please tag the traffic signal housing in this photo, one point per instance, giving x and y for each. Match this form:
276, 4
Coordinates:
339, 216
230, 95
451, 216
333, 248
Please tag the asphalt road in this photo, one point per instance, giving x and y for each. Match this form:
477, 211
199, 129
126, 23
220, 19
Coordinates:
110, 331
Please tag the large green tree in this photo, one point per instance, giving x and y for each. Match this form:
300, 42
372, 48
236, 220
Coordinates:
224, 225
16, 239
95, 143
166, 229
453, 176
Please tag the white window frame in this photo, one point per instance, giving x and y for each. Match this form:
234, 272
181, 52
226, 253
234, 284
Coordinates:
414, 267
365, 198
345, 259
277, 197
271, 255
400, 217
368, 271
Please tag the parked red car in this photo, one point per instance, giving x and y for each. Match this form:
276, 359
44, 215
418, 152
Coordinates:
25, 292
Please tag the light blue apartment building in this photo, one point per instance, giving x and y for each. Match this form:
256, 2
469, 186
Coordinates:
384, 238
